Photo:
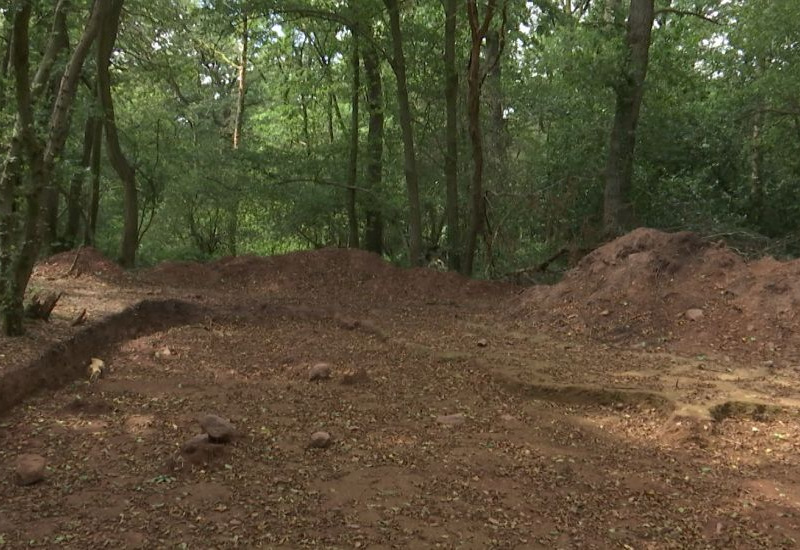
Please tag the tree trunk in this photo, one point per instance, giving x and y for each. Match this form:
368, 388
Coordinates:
451, 137
497, 148
233, 209
478, 31
352, 165
46, 80
407, 128
757, 171
94, 169
74, 206
617, 208
20, 237
242, 87
121, 165
373, 233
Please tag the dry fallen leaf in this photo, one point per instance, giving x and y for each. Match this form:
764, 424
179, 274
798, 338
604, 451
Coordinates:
96, 369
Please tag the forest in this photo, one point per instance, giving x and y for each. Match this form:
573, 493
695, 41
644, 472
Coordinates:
488, 135
400, 274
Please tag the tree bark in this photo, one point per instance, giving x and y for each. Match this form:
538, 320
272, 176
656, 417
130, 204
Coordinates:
407, 129
352, 165
94, 169
46, 81
373, 233
451, 137
617, 208
233, 209
242, 86
478, 31
757, 170
74, 206
121, 165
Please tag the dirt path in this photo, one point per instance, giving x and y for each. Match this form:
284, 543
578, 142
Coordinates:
453, 426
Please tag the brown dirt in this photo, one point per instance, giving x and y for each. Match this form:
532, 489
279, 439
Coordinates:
566, 442
637, 289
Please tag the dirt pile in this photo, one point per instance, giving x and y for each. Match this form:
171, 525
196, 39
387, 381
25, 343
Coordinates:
675, 291
339, 274
85, 261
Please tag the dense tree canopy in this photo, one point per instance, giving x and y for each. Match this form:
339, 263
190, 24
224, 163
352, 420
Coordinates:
494, 133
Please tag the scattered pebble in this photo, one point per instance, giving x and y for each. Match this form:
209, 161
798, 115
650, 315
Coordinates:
320, 440
694, 314
30, 469
451, 419
320, 371
219, 430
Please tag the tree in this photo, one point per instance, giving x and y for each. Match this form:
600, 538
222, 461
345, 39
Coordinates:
29, 161
478, 29
124, 169
629, 90
398, 62
451, 136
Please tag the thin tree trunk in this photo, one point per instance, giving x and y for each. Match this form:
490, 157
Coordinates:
373, 233
407, 129
74, 206
242, 87
233, 209
497, 148
121, 165
352, 165
451, 136
757, 171
478, 31
617, 208
46, 80
94, 169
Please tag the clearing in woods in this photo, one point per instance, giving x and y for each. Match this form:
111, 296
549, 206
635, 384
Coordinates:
646, 401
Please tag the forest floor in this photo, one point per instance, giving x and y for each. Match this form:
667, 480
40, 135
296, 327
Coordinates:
649, 400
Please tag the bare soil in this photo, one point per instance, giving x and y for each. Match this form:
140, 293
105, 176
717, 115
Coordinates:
462, 414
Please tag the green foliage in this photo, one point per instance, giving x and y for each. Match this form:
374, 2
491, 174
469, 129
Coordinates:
175, 84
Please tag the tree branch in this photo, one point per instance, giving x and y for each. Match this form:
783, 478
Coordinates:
699, 15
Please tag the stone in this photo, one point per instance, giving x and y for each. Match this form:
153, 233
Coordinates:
482, 343
320, 440
164, 353
354, 377
201, 450
320, 371
694, 314
30, 469
195, 443
219, 430
451, 419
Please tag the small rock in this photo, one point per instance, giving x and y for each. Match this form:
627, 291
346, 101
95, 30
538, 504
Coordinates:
164, 353
201, 450
451, 419
605, 313
195, 443
320, 440
219, 430
320, 371
353, 377
30, 469
694, 314
507, 418
482, 343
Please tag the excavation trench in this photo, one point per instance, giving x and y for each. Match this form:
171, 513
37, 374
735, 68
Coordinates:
67, 360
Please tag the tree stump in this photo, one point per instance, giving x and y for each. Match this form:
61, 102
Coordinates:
41, 308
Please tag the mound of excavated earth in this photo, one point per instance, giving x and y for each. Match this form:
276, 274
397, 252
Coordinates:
333, 274
675, 291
